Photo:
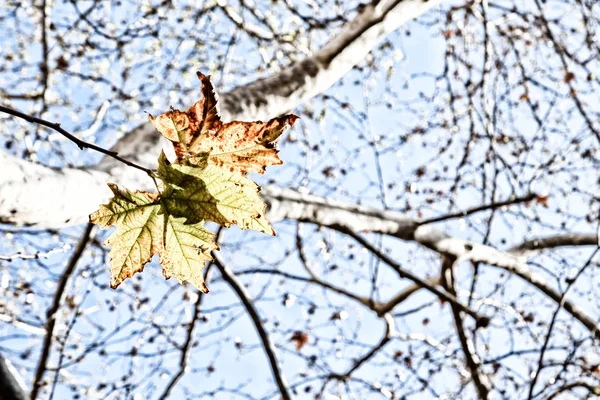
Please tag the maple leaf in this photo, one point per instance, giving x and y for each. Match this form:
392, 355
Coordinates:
215, 194
206, 182
199, 135
144, 228
183, 129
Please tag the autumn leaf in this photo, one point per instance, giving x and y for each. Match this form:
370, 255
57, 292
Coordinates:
569, 76
206, 182
137, 237
199, 135
215, 194
144, 228
542, 199
300, 338
184, 129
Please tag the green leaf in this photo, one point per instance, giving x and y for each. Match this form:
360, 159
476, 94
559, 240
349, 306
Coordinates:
214, 194
144, 228
188, 247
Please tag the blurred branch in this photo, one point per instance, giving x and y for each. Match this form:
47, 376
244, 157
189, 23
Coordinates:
244, 297
346, 217
390, 333
11, 383
443, 295
56, 303
473, 362
35, 256
485, 207
593, 389
561, 303
551, 242
379, 308
183, 360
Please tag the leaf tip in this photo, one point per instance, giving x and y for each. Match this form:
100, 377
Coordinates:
203, 288
201, 76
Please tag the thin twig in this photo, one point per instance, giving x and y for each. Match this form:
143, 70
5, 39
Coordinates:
591, 388
485, 207
390, 333
80, 143
35, 256
56, 302
443, 295
377, 307
561, 303
188, 340
473, 362
236, 285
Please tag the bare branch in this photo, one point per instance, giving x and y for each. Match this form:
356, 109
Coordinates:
82, 144
35, 256
552, 242
443, 295
56, 303
183, 360
561, 303
244, 297
390, 333
593, 389
473, 362
485, 207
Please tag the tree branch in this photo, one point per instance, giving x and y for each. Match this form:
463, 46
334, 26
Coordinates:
82, 144
56, 302
561, 303
244, 297
183, 360
484, 207
473, 362
403, 273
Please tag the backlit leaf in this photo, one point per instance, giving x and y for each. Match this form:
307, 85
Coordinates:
206, 182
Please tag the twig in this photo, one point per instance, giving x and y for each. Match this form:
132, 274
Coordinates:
19, 255
485, 207
390, 333
80, 143
379, 308
561, 303
473, 362
591, 388
51, 314
237, 286
443, 295
188, 340
551, 242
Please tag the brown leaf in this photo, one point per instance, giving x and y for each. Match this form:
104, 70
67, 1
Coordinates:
543, 200
183, 129
300, 338
569, 76
198, 135
245, 146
